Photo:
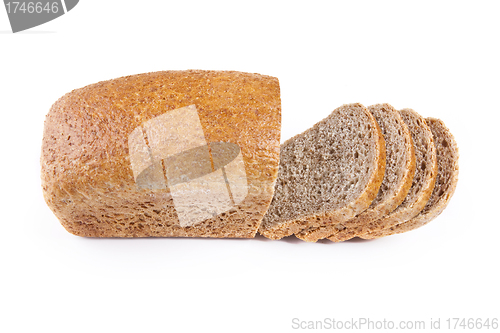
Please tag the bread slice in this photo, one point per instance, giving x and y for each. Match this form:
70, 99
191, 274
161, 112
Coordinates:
331, 172
446, 183
174, 153
423, 181
399, 172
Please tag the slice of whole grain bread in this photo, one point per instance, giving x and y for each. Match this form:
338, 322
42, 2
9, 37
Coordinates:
446, 183
331, 172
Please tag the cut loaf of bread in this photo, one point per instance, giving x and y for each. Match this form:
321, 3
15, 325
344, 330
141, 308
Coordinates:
399, 172
328, 174
423, 181
446, 182
174, 153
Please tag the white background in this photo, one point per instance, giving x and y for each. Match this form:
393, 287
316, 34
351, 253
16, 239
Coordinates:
439, 58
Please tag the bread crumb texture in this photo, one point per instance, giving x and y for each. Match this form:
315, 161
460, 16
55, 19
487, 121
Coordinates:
328, 174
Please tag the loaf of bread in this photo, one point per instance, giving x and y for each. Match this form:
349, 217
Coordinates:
399, 171
446, 182
196, 154
327, 175
174, 153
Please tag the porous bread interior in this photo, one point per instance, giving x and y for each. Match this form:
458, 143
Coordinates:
87, 178
399, 171
446, 182
324, 169
423, 180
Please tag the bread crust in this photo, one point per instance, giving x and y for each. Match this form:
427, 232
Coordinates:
302, 225
86, 175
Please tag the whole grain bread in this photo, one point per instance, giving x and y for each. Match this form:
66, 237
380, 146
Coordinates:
446, 182
423, 181
399, 172
328, 174
112, 152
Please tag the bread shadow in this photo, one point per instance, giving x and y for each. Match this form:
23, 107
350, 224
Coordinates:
294, 240
290, 239
358, 240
